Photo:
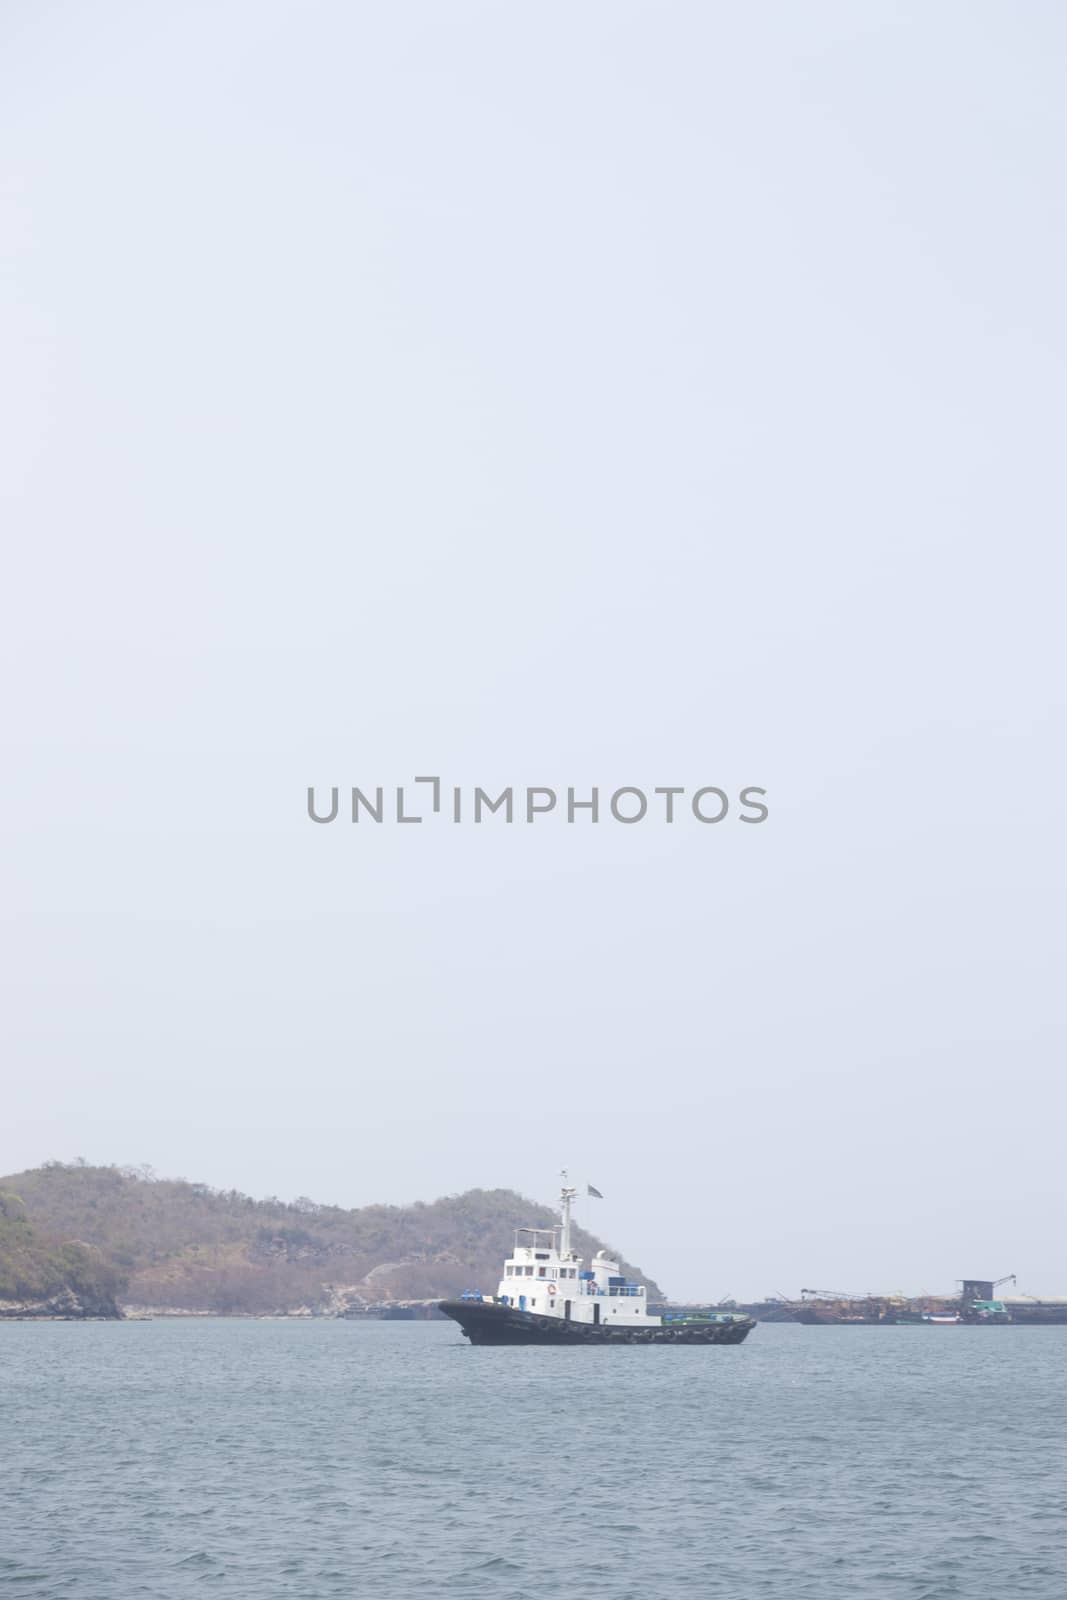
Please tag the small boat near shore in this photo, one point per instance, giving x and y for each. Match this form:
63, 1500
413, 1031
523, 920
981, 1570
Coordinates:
547, 1295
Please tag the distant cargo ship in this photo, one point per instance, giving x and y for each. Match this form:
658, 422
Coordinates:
548, 1296
1027, 1310
974, 1306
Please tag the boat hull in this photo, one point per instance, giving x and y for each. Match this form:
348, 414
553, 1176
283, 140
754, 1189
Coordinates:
486, 1322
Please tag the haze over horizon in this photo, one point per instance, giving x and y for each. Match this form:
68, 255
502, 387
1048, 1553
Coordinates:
610, 396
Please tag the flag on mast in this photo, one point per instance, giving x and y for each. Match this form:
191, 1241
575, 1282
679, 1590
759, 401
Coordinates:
594, 1192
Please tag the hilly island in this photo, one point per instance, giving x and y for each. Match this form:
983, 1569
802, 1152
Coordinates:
84, 1241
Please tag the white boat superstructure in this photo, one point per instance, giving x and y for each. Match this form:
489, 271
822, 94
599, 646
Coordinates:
545, 1275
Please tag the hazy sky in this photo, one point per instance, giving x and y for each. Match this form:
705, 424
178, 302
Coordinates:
561, 394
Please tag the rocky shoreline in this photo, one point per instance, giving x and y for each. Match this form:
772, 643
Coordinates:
65, 1306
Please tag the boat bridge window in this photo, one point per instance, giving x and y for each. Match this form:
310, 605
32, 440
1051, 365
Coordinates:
540, 1272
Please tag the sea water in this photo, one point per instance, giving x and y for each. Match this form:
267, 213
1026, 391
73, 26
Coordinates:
320, 1459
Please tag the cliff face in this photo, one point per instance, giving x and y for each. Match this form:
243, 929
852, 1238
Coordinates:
183, 1247
42, 1276
67, 1305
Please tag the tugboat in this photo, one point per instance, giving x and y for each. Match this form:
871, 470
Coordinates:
547, 1296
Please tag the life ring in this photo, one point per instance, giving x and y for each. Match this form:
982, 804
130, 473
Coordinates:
552, 1288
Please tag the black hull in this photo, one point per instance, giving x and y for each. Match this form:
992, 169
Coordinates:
485, 1322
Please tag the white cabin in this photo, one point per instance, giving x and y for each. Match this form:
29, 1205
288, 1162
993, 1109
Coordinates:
544, 1275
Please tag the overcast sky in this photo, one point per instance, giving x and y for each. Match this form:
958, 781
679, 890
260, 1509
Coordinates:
570, 394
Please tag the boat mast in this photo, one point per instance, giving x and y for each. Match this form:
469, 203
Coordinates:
567, 1194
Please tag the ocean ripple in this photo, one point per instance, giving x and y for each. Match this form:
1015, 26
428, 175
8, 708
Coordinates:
339, 1459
